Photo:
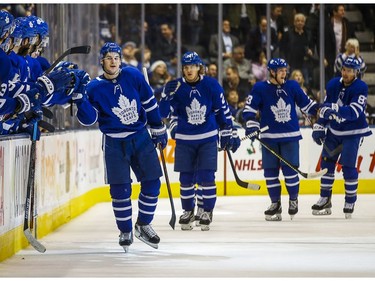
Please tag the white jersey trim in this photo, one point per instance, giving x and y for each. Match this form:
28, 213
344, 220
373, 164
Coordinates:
197, 137
120, 135
349, 133
281, 135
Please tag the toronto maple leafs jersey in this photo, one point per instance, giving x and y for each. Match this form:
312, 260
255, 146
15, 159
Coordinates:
352, 101
200, 109
124, 105
10, 86
277, 107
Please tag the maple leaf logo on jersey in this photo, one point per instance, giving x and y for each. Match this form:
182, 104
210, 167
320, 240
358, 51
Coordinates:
127, 112
196, 113
281, 111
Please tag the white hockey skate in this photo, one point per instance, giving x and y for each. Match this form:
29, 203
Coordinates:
293, 208
186, 220
322, 207
147, 234
273, 213
126, 239
198, 216
205, 220
348, 210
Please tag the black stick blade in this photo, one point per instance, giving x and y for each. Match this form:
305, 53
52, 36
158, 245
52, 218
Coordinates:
47, 113
80, 50
74, 50
47, 126
248, 185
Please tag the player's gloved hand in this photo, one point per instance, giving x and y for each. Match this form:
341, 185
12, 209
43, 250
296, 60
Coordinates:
82, 78
170, 89
329, 111
66, 64
28, 125
10, 126
319, 133
56, 80
30, 100
252, 127
34, 116
159, 135
225, 136
173, 127
235, 141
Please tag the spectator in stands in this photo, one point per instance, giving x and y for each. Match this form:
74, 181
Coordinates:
146, 58
192, 23
242, 18
212, 70
277, 21
128, 58
232, 99
298, 76
166, 47
295, 47
259, 67
243, 65
234, 82
351, 50
159, 77
228, 42
257, 40
337, 31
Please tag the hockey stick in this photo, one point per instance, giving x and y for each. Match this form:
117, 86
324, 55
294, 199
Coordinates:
47, 126
172, 221
305, 175
330, 152
248, 185
29, 190
249, 136
74, 50
47, 113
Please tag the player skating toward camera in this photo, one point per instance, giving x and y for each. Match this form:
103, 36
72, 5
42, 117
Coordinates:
275, 100
200, 116
342, 121
123, 104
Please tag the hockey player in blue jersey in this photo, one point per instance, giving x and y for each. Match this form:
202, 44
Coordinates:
123, 104
342, 122
276, 100
199, 112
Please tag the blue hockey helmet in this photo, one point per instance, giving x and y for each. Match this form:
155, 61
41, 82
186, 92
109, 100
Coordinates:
6, 20
110, 47
22, 28
277, 63
42, 29
191, 58
352, 63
